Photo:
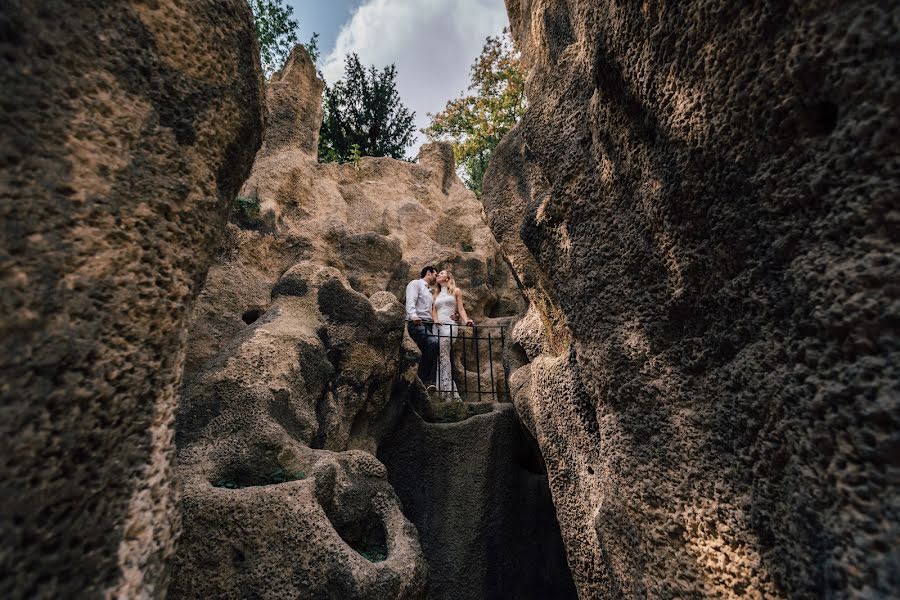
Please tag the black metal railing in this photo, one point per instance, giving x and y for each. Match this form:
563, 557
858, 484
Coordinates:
478, 355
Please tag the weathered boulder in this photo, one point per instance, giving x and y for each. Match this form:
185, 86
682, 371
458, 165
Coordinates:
297, 364
701, 207
126, 131
274, 501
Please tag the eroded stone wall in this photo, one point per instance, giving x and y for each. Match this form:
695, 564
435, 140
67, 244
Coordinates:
701, 207
126, 130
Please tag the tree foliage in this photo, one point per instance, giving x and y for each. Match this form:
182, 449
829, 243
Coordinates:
476, 123
364, 110
277, 34
312, 46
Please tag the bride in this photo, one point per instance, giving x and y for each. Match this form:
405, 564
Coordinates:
446, 304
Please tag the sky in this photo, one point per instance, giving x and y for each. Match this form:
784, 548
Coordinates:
432, 42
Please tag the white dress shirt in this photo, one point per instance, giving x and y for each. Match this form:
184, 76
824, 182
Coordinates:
418, 300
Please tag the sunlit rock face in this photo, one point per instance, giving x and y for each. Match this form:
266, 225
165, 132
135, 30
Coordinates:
127, 130
297, 364
701, 206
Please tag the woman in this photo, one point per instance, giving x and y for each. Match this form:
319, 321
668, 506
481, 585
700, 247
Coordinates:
446, 303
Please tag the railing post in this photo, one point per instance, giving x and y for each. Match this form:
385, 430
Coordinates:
450, 391
465, 377
478, 363
437, 370
491, 365
463, 390
505, 359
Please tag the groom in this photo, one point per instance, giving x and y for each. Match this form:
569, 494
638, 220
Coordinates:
418, 313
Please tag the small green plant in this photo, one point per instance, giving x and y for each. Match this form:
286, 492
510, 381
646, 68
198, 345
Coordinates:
247, 207
467, 247
222, 483
281, 475
355, 156
374, 555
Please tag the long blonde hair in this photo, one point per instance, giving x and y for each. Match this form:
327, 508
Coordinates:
451, 285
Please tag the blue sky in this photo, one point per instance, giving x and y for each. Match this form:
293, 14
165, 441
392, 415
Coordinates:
323, 16
432, 42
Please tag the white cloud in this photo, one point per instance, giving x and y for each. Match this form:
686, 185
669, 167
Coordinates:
432, 42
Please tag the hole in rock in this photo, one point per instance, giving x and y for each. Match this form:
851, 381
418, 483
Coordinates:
238, 557
822, 118
261, 467
517, 356
251, 315
365, 534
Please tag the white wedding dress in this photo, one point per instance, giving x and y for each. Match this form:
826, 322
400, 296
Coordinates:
445, 306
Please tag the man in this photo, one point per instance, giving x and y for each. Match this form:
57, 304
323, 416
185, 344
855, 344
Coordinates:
418, 315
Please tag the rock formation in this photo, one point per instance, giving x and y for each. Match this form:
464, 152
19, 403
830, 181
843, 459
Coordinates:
477, 492
126, 131
701, 207
297, 365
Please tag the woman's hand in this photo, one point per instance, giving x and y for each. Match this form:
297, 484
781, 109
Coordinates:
470, 323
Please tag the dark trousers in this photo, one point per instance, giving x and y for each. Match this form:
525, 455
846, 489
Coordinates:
428, 344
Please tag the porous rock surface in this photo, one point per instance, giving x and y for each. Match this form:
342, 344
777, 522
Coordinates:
126, 130
297, 364
701, 207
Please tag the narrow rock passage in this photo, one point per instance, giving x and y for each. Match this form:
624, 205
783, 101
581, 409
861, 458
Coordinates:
297, 370
477, 492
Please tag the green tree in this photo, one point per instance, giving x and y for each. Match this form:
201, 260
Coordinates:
312, 46
476, 122
277, 34
364, 109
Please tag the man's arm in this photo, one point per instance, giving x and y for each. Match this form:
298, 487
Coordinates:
412, 293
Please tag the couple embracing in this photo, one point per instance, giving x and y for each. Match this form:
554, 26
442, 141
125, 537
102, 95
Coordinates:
434, 306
